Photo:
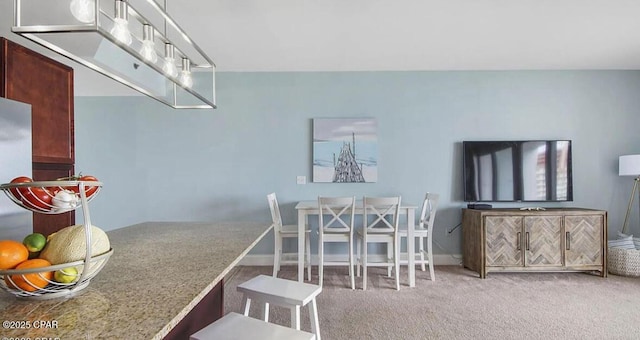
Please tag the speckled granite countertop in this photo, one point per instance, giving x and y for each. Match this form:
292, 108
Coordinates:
158, 272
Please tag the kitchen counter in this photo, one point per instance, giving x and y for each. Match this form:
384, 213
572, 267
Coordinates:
158, 273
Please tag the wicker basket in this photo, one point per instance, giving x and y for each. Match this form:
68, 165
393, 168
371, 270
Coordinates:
624, 262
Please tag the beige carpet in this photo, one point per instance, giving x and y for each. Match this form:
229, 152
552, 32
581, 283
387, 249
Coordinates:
459, 305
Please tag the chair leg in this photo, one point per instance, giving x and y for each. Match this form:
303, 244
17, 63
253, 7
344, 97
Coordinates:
277, 253
359, 252
308, 255
265, 312
396, 263
295, 317
351, 265
313, 315
364, 264
389, 257
432, 274
320, 261
421, 240
246, 302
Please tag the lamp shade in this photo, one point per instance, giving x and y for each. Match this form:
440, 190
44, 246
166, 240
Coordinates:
629, 165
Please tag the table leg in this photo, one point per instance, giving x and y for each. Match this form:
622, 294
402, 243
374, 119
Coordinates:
302, 221
411, 245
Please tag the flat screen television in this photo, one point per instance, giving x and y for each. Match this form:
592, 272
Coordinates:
517, 171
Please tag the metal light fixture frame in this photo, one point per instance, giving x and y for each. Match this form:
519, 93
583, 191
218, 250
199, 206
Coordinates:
205, 64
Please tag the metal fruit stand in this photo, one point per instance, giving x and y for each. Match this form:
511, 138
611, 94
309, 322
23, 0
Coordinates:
27, 196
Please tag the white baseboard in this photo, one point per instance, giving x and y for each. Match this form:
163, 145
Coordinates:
267, 260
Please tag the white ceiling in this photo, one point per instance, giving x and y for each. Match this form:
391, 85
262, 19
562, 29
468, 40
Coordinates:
363, 35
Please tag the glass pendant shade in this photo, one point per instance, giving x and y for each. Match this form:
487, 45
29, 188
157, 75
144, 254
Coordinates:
120, 29
83, 10
148, 50
185, 75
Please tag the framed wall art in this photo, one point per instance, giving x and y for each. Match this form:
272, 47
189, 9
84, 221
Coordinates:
345, 150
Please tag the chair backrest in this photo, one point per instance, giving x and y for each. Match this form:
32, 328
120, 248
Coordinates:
340, 212
428, 212
275, 211
381, 214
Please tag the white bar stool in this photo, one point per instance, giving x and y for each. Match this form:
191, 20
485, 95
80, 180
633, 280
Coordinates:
284, 293
234, 326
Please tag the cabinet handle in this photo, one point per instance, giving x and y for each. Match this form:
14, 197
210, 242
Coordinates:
526, 235
568, 240
518, 241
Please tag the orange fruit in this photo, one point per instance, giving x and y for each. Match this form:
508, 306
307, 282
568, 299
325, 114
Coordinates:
33, 281
12, 253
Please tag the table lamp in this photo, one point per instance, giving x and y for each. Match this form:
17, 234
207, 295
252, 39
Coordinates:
629, 165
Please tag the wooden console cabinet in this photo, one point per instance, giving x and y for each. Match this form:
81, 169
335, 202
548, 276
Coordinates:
47, 86
513, 240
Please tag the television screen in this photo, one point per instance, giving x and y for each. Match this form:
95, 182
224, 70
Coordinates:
517, 171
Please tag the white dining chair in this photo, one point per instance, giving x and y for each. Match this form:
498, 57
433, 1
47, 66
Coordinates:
288, 231
423, 232
381, 218
336, 222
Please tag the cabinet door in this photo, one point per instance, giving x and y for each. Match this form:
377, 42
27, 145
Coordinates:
543, 241
584, 240
47, 85
503, 236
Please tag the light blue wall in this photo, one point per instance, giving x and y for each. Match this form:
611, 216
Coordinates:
168, 165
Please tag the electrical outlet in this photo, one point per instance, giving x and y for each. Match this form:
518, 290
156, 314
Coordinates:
301, 179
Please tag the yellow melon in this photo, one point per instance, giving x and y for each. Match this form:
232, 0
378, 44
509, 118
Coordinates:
69, 244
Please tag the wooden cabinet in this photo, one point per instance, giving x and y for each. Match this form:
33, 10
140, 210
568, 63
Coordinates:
47, 86
551, 240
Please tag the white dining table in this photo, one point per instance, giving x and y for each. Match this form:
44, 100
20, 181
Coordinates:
310, 207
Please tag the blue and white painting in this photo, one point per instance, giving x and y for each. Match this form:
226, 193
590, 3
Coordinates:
345, 150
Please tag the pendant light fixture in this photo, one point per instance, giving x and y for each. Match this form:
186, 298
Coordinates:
148, 50
120, 29
169, 66
185, 75
121, 39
